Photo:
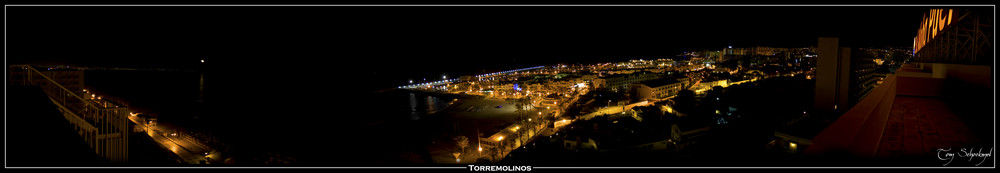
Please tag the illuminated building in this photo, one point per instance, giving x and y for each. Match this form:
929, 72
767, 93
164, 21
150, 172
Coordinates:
659, 88
621, 82
845, 75
869, 67
727, 51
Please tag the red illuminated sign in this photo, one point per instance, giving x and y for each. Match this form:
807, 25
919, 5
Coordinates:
934, 21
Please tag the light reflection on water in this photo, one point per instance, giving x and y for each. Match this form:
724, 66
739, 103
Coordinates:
420, 108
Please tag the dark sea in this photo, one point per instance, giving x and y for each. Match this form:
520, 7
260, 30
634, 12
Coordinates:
315, 112
313, 117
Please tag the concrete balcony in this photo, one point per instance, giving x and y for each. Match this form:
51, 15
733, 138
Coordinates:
915, 112
859, 130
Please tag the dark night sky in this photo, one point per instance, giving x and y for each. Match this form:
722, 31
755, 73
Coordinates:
426, 41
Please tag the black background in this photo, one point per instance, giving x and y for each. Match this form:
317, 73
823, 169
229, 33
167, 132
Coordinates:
293, 56
401, 43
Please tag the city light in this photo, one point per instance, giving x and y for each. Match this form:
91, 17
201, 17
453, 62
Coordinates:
499, 138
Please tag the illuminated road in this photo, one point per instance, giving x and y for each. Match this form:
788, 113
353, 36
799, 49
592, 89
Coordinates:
188, 149
613, 110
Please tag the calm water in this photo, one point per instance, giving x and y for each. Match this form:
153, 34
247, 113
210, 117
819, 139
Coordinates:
260, 112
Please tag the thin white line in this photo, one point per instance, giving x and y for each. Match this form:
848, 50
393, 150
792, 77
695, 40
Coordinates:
519, 5
181, 167
5, 87
753, 167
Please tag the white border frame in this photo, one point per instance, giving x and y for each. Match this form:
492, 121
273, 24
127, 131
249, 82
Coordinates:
489, 5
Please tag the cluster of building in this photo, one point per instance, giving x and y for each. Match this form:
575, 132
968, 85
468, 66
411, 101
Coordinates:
730, 52
558, 88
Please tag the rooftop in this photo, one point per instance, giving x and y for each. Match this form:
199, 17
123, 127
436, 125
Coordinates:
624, 75
659, 82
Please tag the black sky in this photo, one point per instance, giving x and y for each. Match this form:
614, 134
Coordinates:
427, 41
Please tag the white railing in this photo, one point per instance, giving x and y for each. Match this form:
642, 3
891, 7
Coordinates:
103, 127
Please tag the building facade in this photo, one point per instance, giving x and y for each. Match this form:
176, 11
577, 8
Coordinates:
845, 75
621, 82
661, 88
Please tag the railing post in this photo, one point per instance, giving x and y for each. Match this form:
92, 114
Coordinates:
114, 146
